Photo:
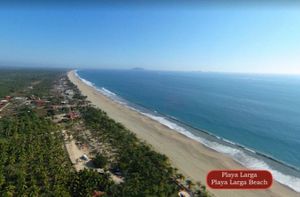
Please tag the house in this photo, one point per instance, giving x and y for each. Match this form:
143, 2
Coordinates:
20, 98
4, 101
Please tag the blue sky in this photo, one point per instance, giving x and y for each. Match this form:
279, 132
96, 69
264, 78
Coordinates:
225, 39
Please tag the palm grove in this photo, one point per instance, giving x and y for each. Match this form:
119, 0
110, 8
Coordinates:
33, 161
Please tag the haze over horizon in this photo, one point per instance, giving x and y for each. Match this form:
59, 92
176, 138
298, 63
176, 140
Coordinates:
218, 39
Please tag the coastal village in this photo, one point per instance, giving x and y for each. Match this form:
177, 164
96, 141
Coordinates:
62, 107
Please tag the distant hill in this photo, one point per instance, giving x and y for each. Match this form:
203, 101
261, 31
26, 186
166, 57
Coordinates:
137, 68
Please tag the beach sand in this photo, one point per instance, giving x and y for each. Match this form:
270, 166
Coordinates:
191, 158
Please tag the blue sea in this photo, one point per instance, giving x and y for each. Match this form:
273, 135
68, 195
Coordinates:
255, 119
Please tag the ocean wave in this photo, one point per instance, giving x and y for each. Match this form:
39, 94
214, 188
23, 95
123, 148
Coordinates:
250, 150
103, 90
84, 80
238, 154
107, 92
228, 141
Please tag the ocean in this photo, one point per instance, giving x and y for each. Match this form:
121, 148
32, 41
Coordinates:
253, 118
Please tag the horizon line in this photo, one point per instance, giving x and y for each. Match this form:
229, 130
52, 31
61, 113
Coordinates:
141, 69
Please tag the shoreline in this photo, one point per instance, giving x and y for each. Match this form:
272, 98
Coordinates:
177, 147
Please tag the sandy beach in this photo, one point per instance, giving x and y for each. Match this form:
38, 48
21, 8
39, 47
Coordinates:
191, 158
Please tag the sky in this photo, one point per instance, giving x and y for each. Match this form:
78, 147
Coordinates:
255, 39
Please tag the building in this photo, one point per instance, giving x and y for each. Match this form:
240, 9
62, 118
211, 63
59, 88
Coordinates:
20, 98
4, 101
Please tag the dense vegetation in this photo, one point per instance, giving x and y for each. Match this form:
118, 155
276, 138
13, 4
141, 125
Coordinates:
146, 172
86, 182
99, 161
15, 81
33, 161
